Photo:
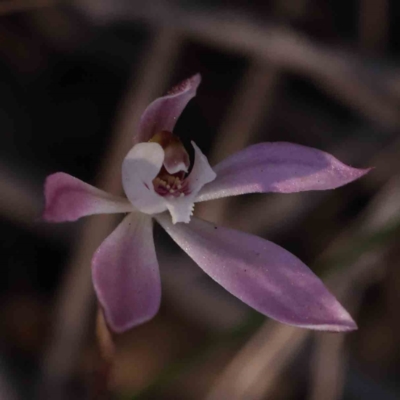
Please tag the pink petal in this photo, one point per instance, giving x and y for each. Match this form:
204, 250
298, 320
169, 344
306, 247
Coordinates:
278, 167
125, 274
68, 198
181, 208
163, 112
139, 168
260, 273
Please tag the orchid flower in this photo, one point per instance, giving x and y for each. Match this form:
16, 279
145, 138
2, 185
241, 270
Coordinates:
159, 185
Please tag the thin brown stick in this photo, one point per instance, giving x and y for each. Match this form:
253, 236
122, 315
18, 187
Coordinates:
20, 200
249, 107
329, 360
328, 367
16, 6
102, 386
336, 72
265, 354
374, 24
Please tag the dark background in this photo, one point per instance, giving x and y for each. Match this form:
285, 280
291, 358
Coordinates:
74, 79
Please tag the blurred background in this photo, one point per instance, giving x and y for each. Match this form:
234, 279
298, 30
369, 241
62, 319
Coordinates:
74, 79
